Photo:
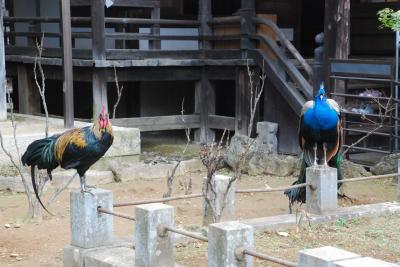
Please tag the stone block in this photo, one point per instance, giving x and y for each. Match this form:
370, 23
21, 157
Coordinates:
322, 198
364, 262
223, 203
223, 241
152, 249
267, 136
111, 257
323, 257
89, 228
72, 256
126, 142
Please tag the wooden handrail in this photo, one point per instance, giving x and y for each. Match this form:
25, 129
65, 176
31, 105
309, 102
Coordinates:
152, 21
149, 36
225, 20
286, 43
32, 19
289, 67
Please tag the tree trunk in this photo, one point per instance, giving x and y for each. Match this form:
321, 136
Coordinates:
337, 36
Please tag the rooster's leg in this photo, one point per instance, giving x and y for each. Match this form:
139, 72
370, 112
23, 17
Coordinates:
325, 162
315, 155
84, 187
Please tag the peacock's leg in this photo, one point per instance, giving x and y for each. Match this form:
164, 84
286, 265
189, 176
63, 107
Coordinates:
315, 155
325, 148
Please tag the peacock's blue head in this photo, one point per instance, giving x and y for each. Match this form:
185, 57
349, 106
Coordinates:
321, 93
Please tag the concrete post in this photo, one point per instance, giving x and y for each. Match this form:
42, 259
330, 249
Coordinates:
323, 257
89, 228
223, 204
224, 239
152, 249
321, 196
267, 136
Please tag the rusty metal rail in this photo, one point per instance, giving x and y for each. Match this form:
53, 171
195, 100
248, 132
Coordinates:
264, 190
241, 252
356, 179
116, 214
163, 231
159, 200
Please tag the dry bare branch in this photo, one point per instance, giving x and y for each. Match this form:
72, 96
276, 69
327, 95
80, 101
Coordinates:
41, 87
119, 92
17, 163
170, 179
256, 90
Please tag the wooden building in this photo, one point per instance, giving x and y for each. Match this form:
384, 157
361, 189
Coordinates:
164, 51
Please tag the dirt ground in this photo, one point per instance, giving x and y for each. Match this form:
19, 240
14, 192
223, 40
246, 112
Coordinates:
25, 242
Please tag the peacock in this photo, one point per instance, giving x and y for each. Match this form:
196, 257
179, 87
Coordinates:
320, 139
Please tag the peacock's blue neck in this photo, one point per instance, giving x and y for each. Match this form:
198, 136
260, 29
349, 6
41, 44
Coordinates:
321, 116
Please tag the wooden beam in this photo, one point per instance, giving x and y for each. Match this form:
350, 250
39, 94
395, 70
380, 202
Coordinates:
98, 30
99, 87
68, 85
221, 122
155, 29
159, 123
336, 34
248, 12
242, 101
3, 95
28, 96
205, 17
99, 82
205, 106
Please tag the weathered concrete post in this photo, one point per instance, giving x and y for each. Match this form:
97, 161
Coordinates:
153, 249
222, 199
323, 257
321, 196
89, 228
224, 239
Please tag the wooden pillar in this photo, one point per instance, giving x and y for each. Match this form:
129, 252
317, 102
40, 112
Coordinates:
28, 96
336, 34
35, 26
99, 80
155, 29
204, 105
242, 101
247, 11
3, 95
68, 85
205, 16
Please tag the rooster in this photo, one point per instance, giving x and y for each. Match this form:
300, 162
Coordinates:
320, 138
74, 149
